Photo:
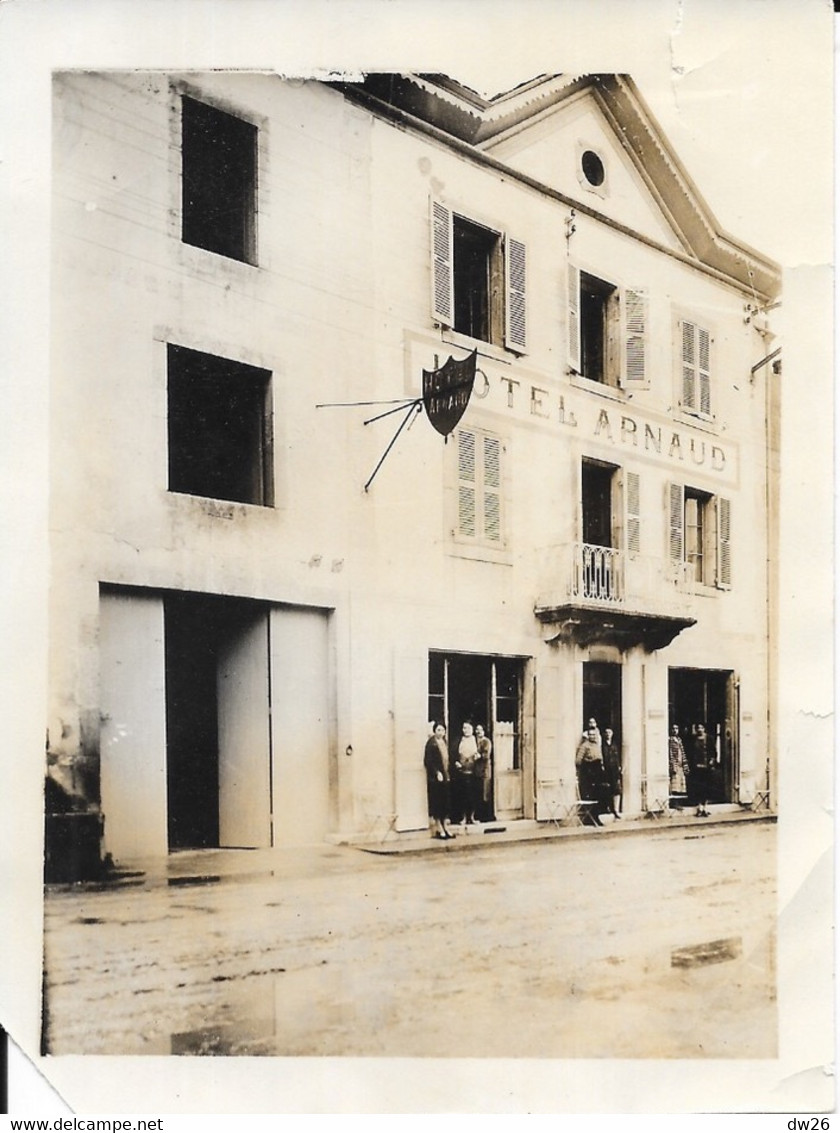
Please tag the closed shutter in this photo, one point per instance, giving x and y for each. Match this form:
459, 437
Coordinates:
696, 344
676, 523
704, 370
443, 299
466, 484
574, 318
515, 309
633, 370
633, 518
492, 489
689, 364
724, 554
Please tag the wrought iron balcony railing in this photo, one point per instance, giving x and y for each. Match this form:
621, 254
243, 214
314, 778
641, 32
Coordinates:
597, 574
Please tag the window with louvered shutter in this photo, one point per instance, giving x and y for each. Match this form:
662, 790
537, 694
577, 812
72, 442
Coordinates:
695, 367
724, 551
574, 317
633, 517
442, 285
515, 310
492, 489
480, 487
703, 371
466, 484
676, 521
633, 373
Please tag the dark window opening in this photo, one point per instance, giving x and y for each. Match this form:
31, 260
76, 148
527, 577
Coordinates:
593, 168
597, 504
219, 428
598, 330
218, 182
476, 264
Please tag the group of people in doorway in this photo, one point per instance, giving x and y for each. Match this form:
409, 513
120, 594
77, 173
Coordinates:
691, 771
598, 767
459, 788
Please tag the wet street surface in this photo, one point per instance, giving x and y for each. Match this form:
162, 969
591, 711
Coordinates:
659, 945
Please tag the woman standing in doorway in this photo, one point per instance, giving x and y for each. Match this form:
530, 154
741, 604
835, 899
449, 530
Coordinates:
465, 764
484, 774
436, 763
612, 770
700, 771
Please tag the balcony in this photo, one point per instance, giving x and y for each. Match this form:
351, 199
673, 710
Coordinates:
613, 598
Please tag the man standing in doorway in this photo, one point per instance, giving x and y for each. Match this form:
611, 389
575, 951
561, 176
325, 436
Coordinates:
590, 772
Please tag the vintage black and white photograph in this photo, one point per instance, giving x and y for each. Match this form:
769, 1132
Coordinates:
418, 485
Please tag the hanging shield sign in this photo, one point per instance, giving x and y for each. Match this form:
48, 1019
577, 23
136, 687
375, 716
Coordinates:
446, 392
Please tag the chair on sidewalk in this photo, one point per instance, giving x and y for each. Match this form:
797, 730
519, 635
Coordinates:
657, 801
378, 824
549, 802
761, 798
760, 801
563, 803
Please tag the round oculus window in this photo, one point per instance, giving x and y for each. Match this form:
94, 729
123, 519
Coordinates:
593, 168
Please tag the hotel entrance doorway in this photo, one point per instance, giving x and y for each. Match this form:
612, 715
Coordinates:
486, 690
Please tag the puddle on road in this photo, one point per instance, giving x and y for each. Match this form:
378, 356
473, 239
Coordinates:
202, 879
712, 952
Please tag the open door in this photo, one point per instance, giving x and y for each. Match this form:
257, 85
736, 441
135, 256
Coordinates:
301, 725
133, 734
244, 738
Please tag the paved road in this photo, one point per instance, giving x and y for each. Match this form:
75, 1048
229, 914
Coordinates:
647, 946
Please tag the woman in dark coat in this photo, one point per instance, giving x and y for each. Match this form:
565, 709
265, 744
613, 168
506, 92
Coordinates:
700, 771
436, 763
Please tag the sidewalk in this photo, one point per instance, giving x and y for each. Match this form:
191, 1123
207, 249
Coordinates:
529, 830
195, 868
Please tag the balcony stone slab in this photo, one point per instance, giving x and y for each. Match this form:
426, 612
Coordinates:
576, 624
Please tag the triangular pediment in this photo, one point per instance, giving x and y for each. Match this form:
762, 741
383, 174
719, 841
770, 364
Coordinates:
573, 148
541, 129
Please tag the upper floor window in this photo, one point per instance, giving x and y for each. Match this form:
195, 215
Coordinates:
479, 501
219, 427
607, 331
699, 535
478, 280
218, 181
695, 367
610, 509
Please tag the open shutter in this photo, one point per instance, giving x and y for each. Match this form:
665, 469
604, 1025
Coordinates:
676, 523
515, 312
633, 368
632, 512
688, 338
704, 370
466, 484
724, 556
443, 299
574, 318
492, 489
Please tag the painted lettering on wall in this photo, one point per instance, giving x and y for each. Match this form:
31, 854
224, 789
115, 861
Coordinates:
616, 428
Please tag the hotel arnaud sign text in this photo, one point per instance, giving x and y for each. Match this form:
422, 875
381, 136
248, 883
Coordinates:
608, 421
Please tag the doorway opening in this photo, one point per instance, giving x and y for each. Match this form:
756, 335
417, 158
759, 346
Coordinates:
486, 690
602, 696
703, 703
218, 748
